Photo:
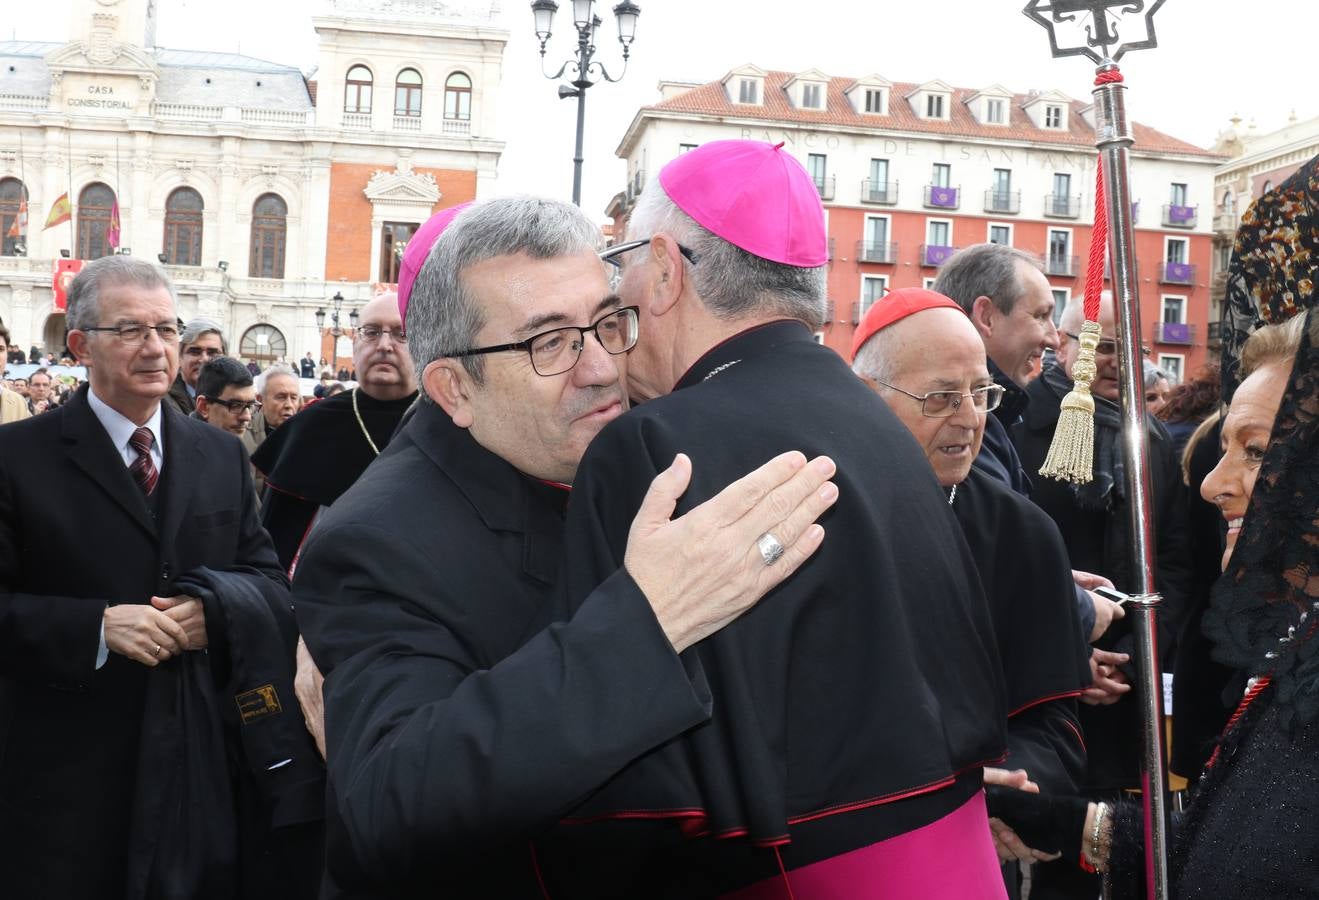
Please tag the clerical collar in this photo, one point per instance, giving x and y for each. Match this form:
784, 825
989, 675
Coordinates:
755, 341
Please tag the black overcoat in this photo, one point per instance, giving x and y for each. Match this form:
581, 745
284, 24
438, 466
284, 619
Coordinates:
77, 534
452, 738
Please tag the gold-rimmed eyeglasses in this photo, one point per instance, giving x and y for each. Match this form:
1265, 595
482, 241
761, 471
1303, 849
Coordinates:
941, 404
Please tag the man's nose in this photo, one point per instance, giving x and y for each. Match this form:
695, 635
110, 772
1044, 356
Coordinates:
1051, 338
596, 365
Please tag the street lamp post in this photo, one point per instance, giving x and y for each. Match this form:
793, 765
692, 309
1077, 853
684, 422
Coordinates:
336, 329
583, 63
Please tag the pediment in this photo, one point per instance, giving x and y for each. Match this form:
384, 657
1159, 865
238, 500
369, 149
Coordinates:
102, 58
1054, 96
813, 75
994, 90
402, 187
933, 87
870, 81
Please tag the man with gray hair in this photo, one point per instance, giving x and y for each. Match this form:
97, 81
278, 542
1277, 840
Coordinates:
855, 707
119, 519
201, 341
458, 726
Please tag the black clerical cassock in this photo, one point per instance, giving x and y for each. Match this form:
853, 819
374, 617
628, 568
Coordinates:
855, 702
314, 457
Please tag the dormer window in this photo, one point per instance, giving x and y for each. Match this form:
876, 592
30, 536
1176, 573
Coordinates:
812, 96
1053, 116
996, 111
935, 106
876, 102
748, 90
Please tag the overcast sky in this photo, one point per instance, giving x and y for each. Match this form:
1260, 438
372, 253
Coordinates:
1215, 58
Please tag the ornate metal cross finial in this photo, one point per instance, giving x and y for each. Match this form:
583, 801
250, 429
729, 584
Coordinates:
1098, 21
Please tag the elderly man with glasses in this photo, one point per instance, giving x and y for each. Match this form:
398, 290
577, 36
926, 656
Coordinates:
311, 459
201, 341
1095, 522
921, 352
460, 726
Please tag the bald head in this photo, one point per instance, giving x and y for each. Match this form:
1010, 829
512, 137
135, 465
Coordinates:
933, 350
380, 352
1105, 384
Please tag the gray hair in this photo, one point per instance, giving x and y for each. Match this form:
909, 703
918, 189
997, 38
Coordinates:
444, 316
985, 270
1153, 373
730, 281
878, 356
270, 372
196, 328
84, 299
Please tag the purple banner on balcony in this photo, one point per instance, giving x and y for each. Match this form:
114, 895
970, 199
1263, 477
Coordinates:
1175, 333
1135, 211
936, 255
1179, 272
1181, 214
945, 197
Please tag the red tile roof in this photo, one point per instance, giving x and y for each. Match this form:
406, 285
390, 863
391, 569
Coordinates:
711, 99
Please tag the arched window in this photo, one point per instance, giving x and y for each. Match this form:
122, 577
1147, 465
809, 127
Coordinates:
407, 94
357, 91
269, 226
95, 207
458, 97
183, 228
12, 231
264, 343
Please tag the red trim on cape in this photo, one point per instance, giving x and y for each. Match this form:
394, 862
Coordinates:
1034, 703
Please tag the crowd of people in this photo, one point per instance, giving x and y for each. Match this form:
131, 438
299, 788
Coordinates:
605, 579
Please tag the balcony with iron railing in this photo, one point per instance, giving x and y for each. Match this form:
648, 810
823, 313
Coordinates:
885, 192
937, 197
1175, 216
825, 186
877, 252
1180, 333
1061, 266
935, 255
1062, 206
860, 308
1007, 202
1177, 273
1227, 221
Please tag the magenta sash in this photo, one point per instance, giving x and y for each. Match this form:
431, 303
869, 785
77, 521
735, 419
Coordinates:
950, 859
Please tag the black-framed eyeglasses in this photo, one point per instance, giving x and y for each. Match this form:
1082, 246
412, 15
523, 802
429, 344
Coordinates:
556, 351
941, 404
1107, 346
133, 333
373, 333
235, 406
611, 255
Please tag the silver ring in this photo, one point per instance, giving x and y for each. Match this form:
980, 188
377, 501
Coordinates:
770, 548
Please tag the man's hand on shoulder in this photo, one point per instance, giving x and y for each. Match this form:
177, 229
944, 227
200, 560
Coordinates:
143, 633
704, 569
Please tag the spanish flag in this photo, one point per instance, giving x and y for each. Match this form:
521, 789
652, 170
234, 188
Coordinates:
61, 211
19, 228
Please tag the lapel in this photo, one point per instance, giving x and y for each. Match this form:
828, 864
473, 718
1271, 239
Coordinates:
504, 498
183, 455
90, 449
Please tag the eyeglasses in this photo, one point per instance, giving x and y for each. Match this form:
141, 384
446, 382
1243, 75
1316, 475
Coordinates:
133, 334
1107, 346
941, 404
373, 333
557, 351
235, 406
611, 255
208, 352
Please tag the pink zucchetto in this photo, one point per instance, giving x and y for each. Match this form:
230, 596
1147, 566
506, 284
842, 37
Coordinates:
753, 195
414, 255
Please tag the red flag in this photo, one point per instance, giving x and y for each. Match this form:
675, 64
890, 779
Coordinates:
65, 271
112, 233
60, 211
19, 228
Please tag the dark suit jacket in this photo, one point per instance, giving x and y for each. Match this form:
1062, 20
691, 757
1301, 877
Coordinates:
452, 738
76, 534
179, 396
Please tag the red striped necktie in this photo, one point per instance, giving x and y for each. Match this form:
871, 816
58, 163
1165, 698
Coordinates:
143, 469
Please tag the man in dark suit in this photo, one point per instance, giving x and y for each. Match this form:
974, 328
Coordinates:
201, 341
104, 505
455, 733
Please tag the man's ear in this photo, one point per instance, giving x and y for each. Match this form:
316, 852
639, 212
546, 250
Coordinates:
984, 315
670, 277
450, 385
77, 341
203, 407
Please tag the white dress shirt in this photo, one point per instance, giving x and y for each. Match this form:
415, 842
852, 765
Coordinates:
121, 428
